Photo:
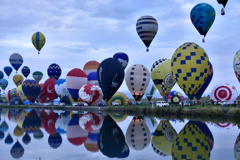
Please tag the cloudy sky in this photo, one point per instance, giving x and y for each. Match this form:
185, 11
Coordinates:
79, 31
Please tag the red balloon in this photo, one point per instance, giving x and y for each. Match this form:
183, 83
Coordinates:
49, 123
49, 88
42, 95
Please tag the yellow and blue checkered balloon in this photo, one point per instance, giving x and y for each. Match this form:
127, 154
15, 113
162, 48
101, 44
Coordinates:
190, 68
191, 143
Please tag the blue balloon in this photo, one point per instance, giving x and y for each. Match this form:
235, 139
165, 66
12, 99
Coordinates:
26, 71
92, 78
122, 58
8, 70
16, 60
1, 75
54, 71
55, 140
31, 89
3, 83
26, 139
8, 139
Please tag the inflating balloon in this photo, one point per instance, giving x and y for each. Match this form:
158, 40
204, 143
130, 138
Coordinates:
202, 16
16, 61
54, 71
122, 58
26, 71
236, 65
174, 97
37, 75
17, 79
8, 70
147, 28
38, 40
190, 68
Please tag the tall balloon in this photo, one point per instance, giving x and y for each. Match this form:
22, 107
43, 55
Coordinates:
8, 70
110, 76
137, 79
202, 16
90, 66
3, 84
49, 88
223, 2
75, 79
25, 71
54, 71
162, 76
37, 75
190, 68
147, 28
31, 89
122, 58
17, 79
38, 40
16, 61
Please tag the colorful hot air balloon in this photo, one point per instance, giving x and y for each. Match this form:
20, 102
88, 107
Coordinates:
31, 89
8, 70
150, 90
75, 79
147, 28
1, 75
92, 78
190, 68
54, 71
122, 58
223, 2
119, 97
61, 89
31, 122
49, 88
20, 91
110, 76
162, 76
17, 79
38, 40
26, 71
202, 16
91, 122
137, 79
42, 95
174, 97
3, 84
37, 75
205, 84
90, 66
16, 61
236, 65
17, 150
91, 94
4, 99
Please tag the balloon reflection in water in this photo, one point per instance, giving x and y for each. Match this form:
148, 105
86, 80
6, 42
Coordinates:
55, 140
31, 122
4, 126
8, 139
237, 148
38, 135
26, 139
49, 123
91, 122
17, 150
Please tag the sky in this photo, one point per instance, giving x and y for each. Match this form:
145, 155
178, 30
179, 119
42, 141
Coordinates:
80, 31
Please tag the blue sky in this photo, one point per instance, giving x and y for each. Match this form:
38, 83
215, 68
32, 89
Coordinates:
79, 31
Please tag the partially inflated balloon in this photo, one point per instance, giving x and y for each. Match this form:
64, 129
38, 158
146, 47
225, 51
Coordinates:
137, 79
119, 97
91, 94
37, 75
8, 70
122, 58
25, 71
110, 76
3, 83
38, 40
162, 76
31, 89
16, 61
54, 71
202, 16
190, 68
17, 79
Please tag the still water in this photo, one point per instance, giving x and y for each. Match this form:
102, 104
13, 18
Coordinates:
60, 135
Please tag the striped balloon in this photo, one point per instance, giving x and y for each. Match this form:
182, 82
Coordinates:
16, 60
147, 28
90, 66
38, 40
37, 75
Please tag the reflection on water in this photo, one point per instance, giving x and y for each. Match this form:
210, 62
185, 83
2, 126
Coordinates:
50, 134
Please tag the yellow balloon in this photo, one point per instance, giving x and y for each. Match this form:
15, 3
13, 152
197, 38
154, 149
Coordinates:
4, 99
162, 76
38, 40
119, 97
18, 79
24, 98
18, 131
190, 68
20, 91
72, 101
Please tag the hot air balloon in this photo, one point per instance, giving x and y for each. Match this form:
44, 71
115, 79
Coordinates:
91, 122
224, 92
61, 89
138, 135
16, 101
8, 139
111, 140
49, 123
8, 95
90, 66
162, 76
91, 94
37, 75
18, 131
31, 122
92, 78
236, 65
91, 146
38, 40
147, 28
119, 97
122, 58
62, 124
75, 134
17, 79
1, 135
31, 89
20, 91
3, 84
1, 75
49, 88
4, 126
205, 84
26, 139
163, 138
55, 140
236, 148
17, 150
137, 79
223, 2
75, 79
25, 71
42, 95
174, 97
202, 16
8, 70
13, 93
16, 61
150, 90
110, 76
190, 143
190, 68
54, 71
4, 99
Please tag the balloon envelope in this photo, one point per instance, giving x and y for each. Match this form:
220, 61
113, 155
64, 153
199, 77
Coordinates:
38, 40
92, 78
3, 83
17, 79
119, 97
91, 94
8, 70
17, 150
31, 89
49, 88
16, 60
37, 75
61, 89
54, 71
122, 58
90, 66
26, 71
1, 75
